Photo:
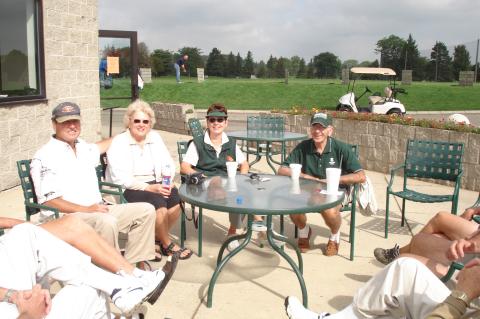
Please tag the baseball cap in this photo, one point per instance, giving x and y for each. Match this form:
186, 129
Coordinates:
321, 118
66, 111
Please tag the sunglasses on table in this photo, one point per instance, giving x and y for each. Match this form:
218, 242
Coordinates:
137, 121
216, 119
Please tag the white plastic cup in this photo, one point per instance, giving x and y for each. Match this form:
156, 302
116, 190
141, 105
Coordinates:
231, 185
232, 169
333, 180
296, 169
295, 189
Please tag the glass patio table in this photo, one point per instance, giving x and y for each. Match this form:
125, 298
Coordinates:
279, 195
267, 137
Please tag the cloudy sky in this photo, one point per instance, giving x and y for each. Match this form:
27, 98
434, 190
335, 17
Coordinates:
347, 28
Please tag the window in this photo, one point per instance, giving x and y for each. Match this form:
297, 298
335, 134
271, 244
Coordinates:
21, 51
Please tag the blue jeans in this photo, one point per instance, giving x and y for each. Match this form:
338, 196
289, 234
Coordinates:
177, 72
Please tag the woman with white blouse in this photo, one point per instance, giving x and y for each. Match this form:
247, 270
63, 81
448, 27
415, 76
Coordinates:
139, 161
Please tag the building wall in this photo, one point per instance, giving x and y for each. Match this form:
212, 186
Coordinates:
71, 74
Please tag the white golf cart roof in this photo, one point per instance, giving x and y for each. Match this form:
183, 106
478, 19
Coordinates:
380, 71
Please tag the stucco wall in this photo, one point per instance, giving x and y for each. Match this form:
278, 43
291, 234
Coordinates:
71, 74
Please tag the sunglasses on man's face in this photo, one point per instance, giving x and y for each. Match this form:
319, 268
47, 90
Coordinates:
137, 121
216, 119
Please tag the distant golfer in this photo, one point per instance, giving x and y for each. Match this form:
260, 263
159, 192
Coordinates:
180, 64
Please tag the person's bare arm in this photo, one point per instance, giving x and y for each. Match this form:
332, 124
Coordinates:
103, 145
69, 207
470, 212
244, 167
6, 222
186, 168
353, 178
286, 171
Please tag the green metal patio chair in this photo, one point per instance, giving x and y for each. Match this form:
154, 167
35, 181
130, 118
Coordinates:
182, 147
195, 127
29, 196
428, 159
349, 207
263, 124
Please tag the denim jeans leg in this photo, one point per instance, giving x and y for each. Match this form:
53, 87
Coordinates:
177, 72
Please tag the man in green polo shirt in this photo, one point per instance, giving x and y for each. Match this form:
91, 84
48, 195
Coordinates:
316, 155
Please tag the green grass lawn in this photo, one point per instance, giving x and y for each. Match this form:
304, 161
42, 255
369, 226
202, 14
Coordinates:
274, 93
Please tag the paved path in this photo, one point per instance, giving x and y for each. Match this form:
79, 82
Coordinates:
255, 282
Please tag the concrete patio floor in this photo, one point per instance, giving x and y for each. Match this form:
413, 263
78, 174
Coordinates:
255, 282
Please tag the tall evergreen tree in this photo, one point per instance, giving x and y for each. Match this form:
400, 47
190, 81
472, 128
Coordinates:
161, 62
143, 55
271, 64
248, 65
411, 58
215, 63
280, 67
440, 65
461, 60
302, 69
238, 65
230, 66
261, 70
310, 70
294, 65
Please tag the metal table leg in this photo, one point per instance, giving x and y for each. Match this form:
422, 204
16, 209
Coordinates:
221, 262
298, 270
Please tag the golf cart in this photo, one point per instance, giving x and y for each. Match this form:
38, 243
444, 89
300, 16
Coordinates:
387, 104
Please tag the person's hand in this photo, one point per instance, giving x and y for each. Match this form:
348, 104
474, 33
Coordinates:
459, 247
98, 208
470, 212
160, 189
468, 279
32, 304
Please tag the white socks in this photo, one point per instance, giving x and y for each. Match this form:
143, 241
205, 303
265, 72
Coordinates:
303, 233
335, 237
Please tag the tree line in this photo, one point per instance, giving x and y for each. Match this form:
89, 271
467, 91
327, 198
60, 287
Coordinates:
394, 52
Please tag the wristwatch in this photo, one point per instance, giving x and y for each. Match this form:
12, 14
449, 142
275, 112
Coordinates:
8, 294
460, 295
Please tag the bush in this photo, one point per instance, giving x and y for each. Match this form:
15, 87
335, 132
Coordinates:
394, 119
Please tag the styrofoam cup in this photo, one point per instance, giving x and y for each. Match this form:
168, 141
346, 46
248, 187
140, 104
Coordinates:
232, 169
295, 189
296, 169
333, 179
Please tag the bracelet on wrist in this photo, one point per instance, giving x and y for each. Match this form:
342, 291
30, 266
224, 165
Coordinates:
8, 295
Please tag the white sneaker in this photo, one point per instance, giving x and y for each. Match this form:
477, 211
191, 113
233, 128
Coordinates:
140, 289
232, 245
295, 310
259, 225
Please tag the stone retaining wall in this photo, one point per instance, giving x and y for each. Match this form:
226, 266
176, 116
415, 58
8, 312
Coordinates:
383, 145
172, 117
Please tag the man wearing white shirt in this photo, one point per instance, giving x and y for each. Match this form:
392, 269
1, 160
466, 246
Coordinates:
63, 172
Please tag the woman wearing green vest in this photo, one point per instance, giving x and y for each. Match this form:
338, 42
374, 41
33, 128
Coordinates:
210, 153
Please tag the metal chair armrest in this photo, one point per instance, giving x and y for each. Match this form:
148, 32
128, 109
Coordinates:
44, 207
117, 192
453, 267
392, 174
